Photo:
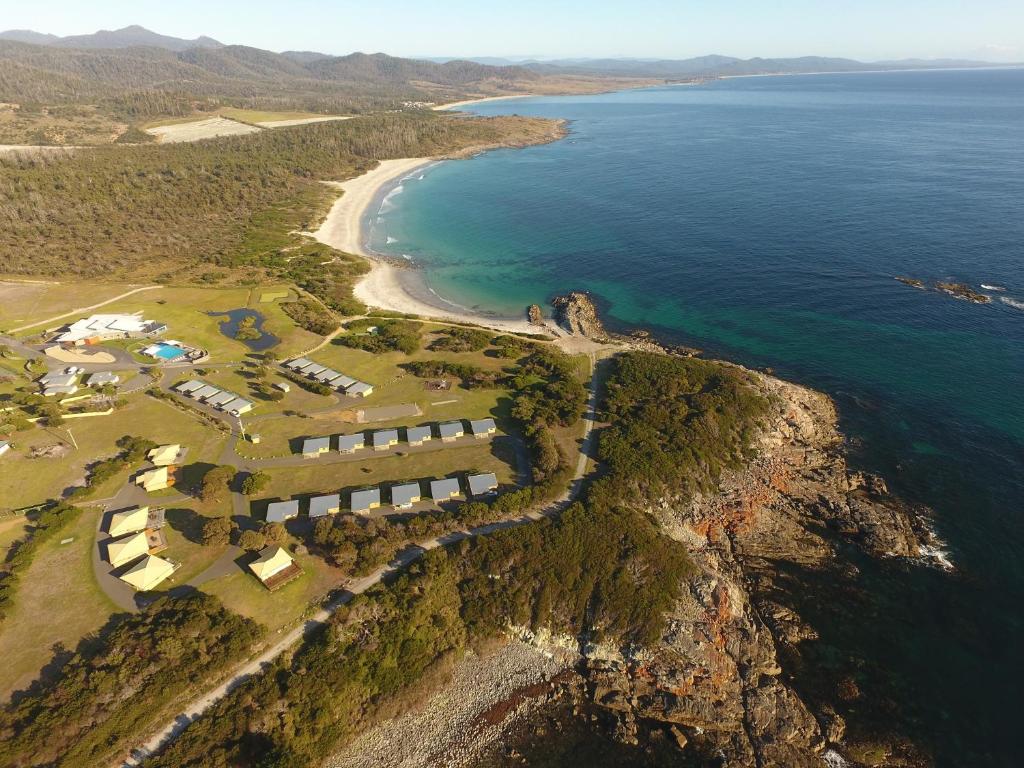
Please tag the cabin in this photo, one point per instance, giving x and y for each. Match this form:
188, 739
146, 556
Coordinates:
315, 446
103, 378
131, 547
298, 363
220, 399
148, 573
450, 431
321, 506
351, 443
128, 521
445, 489
187, 387
343, 382
238, 406
274, 568
384, 439
485, 484
482, 428
165, 455
4, 447
359, 389
204, 393
156, 479
326, 375
279, 511
418, 435
284, 386
313, 369
405, 495
363, 501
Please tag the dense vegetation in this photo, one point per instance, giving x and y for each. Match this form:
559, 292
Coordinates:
379, 336
112, 688
188, 208
46, 524
603, 570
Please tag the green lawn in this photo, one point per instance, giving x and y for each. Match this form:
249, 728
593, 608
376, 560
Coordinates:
23, 302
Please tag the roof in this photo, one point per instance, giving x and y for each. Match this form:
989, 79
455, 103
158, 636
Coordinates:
342, 382
351, 442
99, 325
123, 551
483, 484
220, 398
326, 375
279, 511
418, 434
405, 494
239, 404
365, 499
164, 455
444, 488
297, 363
316, 444
154, 479
190, 386
55, 390
104, 377
482, 426
205, 392
59, 379
359, 388
451, 429
384, 437
4, 446
313, 369
128, 521
324, 505
272, 560
148, 572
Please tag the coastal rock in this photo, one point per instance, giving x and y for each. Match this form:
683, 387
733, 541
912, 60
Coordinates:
576, 313
534, 315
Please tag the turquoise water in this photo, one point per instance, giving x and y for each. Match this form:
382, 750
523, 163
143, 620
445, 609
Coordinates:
764, 220
168, 352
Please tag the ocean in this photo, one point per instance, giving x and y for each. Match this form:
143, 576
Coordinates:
764, 220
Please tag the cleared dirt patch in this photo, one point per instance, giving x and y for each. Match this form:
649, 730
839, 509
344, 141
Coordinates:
200, 129
301, 121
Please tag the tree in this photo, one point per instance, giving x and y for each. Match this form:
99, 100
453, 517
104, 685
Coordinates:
216, 483
274, 533
252, 540
255, 483
217, 532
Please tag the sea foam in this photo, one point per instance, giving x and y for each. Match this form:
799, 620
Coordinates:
1012, 302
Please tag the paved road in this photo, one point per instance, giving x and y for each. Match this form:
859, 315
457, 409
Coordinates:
409, 555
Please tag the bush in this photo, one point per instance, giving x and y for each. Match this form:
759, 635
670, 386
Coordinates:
461, 340
390, 336
217, 483
255, 483
251, 540
217, 532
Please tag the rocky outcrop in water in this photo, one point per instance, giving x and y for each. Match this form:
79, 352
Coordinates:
535, 315
576, 313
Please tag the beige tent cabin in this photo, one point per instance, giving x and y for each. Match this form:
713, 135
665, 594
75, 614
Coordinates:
155, 479
123, 551
148, 572
165, 455
128, 521
274, 567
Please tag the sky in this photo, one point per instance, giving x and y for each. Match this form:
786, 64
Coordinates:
863, 29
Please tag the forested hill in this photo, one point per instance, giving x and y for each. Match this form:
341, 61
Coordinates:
51, 74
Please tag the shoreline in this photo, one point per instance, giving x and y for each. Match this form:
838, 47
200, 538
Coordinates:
389, 286
481, 100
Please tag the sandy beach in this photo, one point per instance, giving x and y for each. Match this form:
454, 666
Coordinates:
468, 102
389, 286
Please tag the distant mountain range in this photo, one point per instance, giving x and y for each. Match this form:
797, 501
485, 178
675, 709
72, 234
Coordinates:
127, 37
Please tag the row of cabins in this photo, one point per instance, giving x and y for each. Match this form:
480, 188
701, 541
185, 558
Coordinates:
402, 496
66, 382
331, 378
385, 439
216, 398
136, 539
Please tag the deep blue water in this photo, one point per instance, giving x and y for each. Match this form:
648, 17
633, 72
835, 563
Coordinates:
764, 220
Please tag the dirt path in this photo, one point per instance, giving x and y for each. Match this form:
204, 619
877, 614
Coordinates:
409, 555
80, 310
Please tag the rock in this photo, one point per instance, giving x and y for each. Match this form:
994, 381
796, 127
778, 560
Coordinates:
678, 736
577, 314
534, 315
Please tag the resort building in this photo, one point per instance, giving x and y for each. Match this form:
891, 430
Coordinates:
445, 489
238, 406
187, 387
103, 378
359, 389
363, 501
284, 386
91, 330
384, 439
123, 551
128, 521
343, 382
315, 446
313, 369
204, 393
482, 428
326, 376
275, 568
4, 447
279, 511
148, 573
351, 443
155, 479
483, 485
165, 455
320, 506
418, 435
220, 399
298, 363
58, 379
450, 430
70, 389
405, 495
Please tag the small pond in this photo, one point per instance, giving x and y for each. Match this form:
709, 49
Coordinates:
233, 319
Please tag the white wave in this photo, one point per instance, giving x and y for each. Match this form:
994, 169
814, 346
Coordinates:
421, 177
935, 549
386, 204
407, 257
833, 759
391, 240
992, 287
1012, 302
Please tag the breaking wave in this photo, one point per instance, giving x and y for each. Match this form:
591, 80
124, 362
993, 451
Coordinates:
1012, 302
992, 287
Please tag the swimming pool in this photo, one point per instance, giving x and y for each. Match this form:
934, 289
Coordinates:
167, 351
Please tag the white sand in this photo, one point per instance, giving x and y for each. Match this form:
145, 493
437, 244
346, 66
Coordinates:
467, 102
301, 121
200, 129
382, 287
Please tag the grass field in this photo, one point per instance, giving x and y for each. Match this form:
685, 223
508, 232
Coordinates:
23, 302
57, 604
258, 116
